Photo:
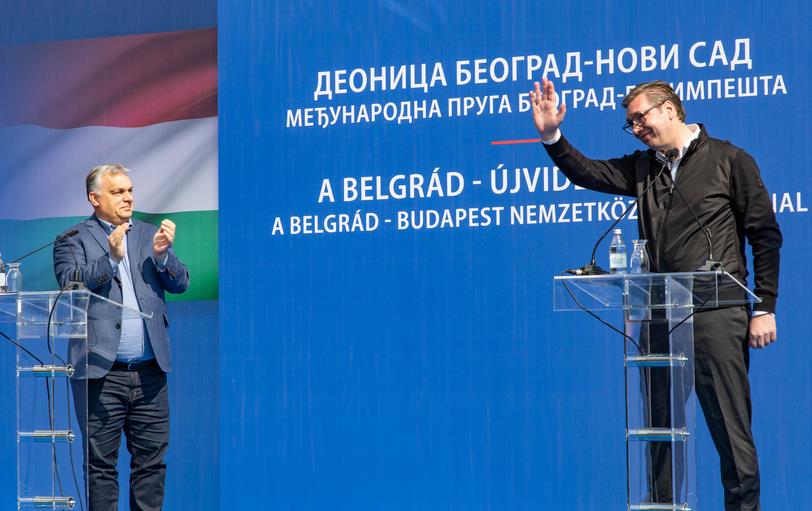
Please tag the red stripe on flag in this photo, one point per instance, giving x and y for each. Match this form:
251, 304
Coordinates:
127, 81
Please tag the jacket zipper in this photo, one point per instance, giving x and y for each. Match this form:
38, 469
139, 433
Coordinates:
661, 245
661, 233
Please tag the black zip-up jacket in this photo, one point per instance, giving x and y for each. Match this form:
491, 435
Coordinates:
722, 184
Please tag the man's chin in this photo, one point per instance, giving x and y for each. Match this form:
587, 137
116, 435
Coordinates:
648, 141
653, 145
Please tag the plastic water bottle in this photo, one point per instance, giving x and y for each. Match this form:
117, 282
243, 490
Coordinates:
14, 278
617, 253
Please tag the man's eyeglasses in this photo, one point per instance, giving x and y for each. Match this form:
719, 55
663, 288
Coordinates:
639, 119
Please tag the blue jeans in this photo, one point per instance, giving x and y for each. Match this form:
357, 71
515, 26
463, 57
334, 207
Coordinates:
135, 402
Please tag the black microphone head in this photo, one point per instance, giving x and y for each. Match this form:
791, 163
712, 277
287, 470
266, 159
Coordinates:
672, 154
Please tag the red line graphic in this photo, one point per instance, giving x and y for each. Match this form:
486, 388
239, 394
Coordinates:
519, 141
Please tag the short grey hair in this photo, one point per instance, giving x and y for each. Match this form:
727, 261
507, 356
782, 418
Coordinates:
657, 92
94, 176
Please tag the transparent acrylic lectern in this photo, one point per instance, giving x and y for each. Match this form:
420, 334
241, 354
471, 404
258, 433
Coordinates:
51, 372
659, 367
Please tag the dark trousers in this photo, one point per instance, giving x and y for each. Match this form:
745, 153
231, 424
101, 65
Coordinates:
721, 363
137, 404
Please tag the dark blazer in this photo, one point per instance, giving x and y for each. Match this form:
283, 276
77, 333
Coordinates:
92, 255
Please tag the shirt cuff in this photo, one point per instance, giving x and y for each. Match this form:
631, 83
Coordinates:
162, 264
553, 140
114, 264
761, 313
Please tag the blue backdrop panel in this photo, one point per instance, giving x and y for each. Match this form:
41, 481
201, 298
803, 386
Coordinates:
425, 369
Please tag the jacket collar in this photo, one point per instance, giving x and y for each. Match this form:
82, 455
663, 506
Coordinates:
95, 227
99, 230
695, 144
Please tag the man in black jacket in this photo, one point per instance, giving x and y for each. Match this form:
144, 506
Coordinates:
720, 184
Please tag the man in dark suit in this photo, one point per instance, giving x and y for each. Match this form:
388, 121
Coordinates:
724, 185
129, 262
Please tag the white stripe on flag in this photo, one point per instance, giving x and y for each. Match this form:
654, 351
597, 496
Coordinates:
173, 164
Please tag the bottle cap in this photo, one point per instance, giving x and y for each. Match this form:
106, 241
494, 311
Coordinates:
617, 231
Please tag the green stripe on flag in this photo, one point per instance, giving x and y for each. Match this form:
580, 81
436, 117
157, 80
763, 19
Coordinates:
195, 244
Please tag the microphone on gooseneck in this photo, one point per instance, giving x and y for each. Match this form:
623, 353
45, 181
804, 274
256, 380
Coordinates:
592, 268
68, 234
710, 264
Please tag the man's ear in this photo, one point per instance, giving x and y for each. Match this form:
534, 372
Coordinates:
93, 199
670, 109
